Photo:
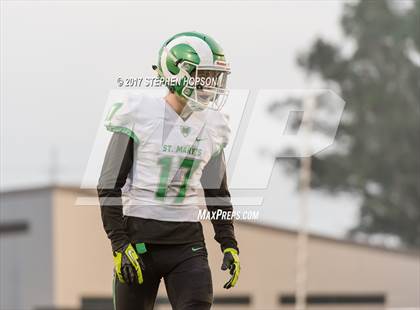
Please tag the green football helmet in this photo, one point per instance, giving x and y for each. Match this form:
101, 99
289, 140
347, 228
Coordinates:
193, 66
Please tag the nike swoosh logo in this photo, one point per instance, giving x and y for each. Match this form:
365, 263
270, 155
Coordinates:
196, 249
199, 139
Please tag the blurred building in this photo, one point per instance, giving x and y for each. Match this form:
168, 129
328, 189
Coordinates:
55, 255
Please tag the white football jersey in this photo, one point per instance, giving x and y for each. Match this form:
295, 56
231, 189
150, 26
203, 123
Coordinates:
170, 154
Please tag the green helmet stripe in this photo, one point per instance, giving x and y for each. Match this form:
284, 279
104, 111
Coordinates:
216, 49
197, 45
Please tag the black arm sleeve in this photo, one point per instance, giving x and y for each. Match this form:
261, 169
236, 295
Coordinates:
214, 183
116, 167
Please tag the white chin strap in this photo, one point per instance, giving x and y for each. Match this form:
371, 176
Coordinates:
216, 103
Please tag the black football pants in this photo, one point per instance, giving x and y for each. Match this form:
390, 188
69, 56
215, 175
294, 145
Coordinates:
186, 273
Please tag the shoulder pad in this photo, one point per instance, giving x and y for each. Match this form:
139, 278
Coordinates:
130, 113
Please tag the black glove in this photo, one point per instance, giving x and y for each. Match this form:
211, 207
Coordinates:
231, 262
128, 265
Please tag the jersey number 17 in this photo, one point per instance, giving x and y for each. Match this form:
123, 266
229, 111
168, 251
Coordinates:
188, 166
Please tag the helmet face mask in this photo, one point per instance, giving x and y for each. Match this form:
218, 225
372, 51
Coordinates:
198, 64
205, 87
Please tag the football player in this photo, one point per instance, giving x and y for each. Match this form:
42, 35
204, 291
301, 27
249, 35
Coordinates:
164, 152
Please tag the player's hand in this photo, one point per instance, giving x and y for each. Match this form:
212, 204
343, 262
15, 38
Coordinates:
128, 265
231, 262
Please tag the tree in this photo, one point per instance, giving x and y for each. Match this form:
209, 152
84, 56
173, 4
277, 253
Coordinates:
380, 82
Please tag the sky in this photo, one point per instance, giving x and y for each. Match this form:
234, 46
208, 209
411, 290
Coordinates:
60, 61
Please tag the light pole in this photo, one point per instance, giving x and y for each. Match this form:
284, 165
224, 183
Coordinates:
304, 190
